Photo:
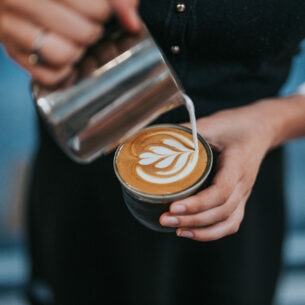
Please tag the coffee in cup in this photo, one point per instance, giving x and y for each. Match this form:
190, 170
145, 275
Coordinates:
159, 165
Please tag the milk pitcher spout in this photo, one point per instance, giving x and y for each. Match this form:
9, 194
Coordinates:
122, 84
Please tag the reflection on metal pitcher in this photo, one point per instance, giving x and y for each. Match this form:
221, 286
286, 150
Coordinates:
122, 84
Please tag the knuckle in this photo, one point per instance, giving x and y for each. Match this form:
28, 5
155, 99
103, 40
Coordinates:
234, 228
89, 34
60, 51
222, 196
186, 221
196, 222
102, 10
191, 221
69, 55
194, 206
225, 214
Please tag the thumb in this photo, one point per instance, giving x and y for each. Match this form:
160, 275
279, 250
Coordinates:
203, 127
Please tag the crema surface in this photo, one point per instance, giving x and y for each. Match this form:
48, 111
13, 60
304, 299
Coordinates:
161, 160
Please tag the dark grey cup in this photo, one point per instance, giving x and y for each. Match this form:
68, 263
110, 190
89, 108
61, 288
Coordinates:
147, 208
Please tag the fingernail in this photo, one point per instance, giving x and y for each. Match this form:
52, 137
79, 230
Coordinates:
170, 221
178, 209
187, 234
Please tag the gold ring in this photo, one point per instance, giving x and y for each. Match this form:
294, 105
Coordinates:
35, 56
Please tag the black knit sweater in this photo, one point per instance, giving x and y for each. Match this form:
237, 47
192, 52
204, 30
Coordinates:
231, 52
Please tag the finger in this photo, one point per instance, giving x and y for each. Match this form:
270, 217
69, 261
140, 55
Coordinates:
99, 10
209, 217
216, 231
57, 17
223, 184
46, 75
55, 50
127, 14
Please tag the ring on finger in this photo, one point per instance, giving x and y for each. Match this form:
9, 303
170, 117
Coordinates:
35, 57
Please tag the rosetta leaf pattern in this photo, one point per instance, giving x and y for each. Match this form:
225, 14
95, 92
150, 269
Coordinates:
172, 161
163, 157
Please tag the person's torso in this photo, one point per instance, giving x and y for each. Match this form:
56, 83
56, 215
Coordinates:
226, 52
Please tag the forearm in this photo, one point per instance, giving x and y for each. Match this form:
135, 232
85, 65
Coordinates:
282, 118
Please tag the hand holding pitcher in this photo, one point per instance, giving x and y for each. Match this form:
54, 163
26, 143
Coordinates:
48, 38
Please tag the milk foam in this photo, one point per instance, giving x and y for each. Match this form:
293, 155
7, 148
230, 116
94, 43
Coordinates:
172, 162
191, 110
164, 159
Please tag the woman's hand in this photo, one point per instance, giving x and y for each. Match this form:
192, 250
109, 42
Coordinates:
241, 137
61, 30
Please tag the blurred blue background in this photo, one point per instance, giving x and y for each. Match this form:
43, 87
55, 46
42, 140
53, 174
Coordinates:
18, 141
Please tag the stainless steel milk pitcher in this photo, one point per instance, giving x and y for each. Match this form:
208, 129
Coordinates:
123, 84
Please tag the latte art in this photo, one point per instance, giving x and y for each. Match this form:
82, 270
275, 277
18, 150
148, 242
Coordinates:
161, 160
172, 161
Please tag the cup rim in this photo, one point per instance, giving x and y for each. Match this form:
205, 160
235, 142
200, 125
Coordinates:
166, 198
